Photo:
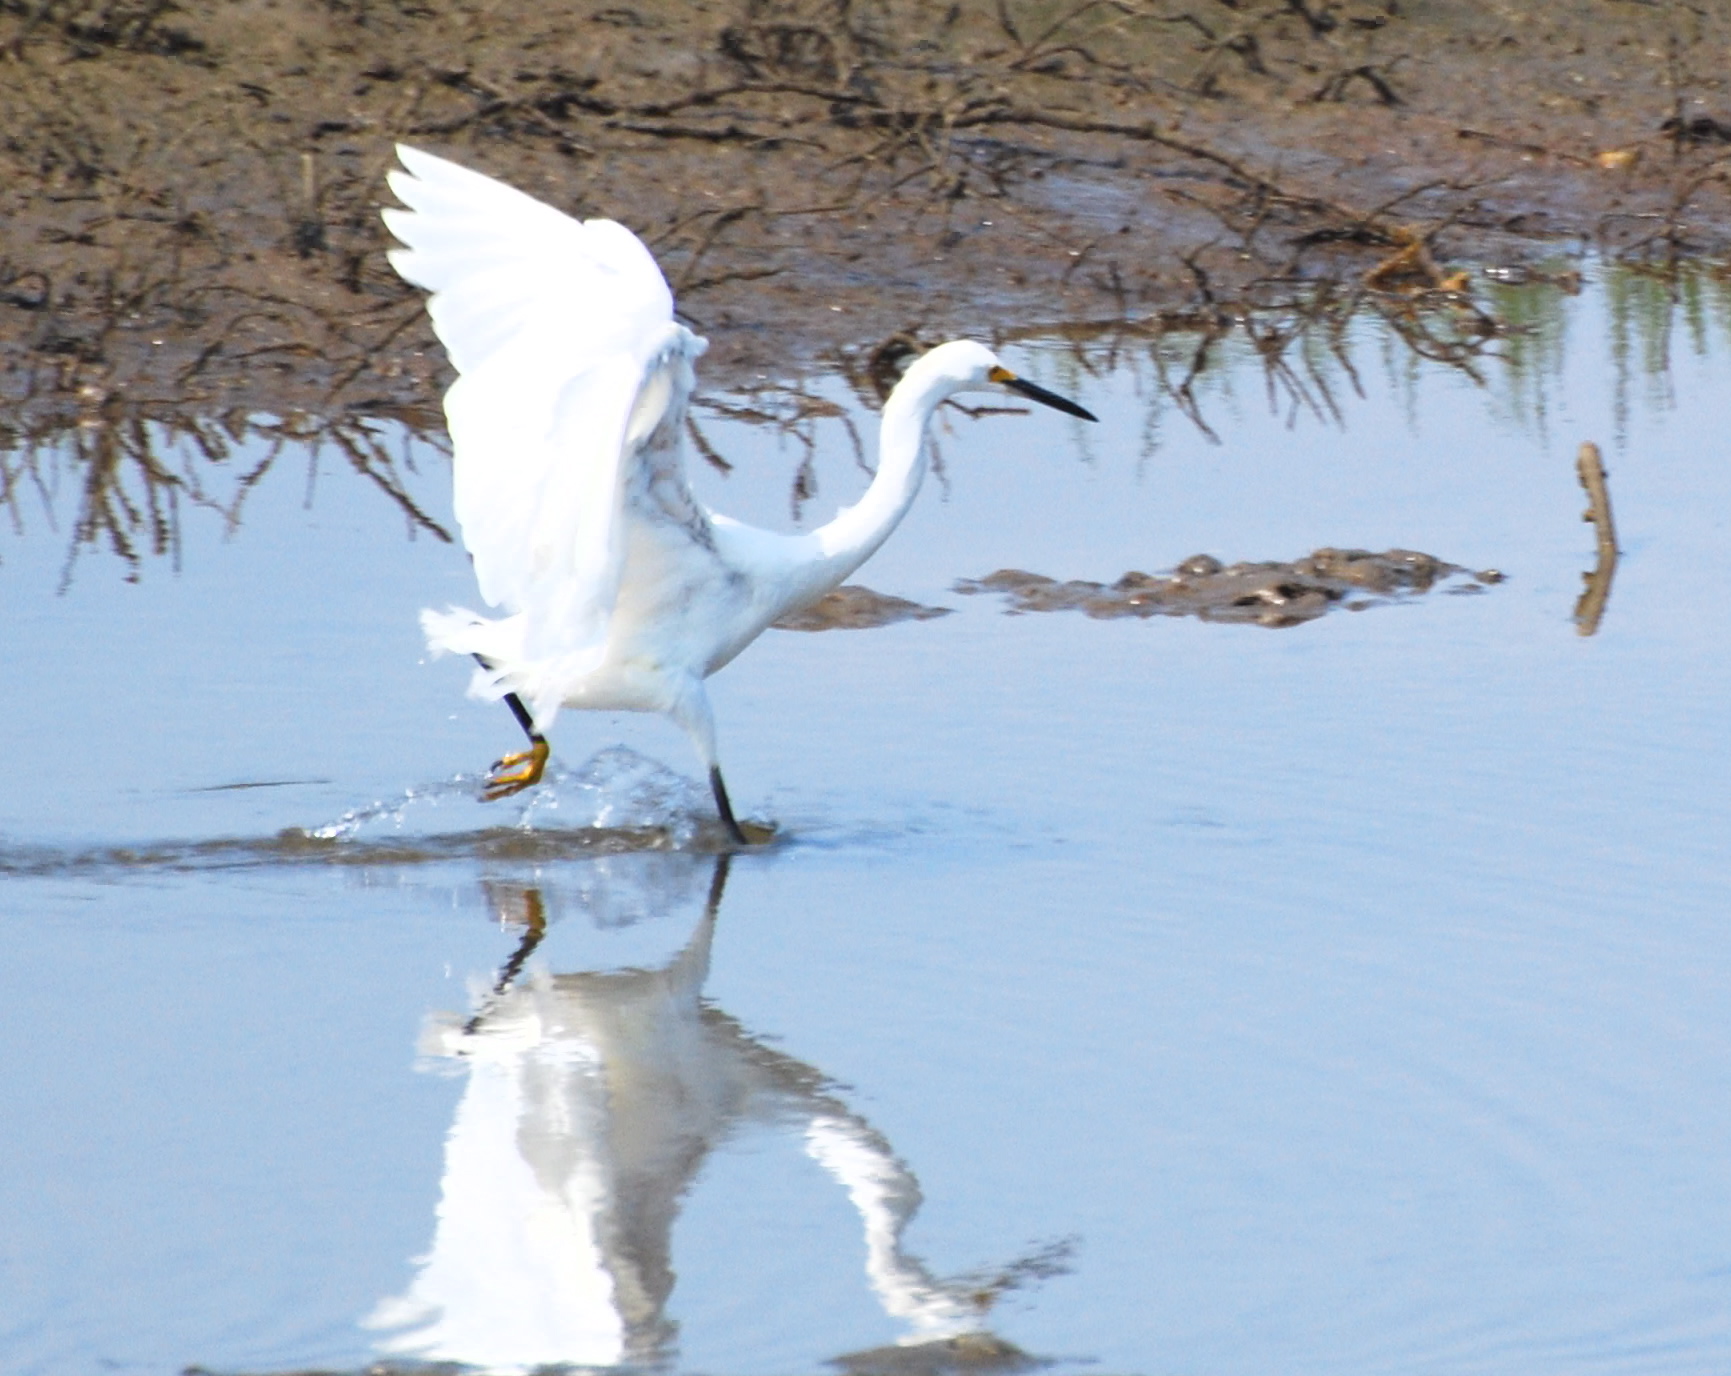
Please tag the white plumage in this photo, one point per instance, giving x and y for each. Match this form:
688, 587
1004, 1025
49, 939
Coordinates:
567, 419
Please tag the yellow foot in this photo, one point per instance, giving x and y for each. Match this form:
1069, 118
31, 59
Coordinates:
515, 773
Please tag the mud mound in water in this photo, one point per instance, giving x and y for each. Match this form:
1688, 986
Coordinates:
855, 608
1260, 594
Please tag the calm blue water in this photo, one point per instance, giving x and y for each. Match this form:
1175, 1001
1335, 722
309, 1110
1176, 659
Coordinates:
1155, 997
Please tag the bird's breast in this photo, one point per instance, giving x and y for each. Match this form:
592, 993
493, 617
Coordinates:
681, 607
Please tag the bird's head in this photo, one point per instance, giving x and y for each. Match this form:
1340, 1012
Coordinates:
964, 366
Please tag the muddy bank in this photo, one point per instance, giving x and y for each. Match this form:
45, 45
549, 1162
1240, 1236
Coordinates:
1274, 593
190, 190
1269, 593
852, 607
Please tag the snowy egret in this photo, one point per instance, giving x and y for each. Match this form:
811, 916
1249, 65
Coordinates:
567, 423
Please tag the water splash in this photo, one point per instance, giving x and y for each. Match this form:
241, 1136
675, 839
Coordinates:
616, 803
620, 790
393, 815
616, 790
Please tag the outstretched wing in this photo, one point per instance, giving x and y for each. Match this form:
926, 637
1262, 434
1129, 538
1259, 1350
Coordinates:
554, 325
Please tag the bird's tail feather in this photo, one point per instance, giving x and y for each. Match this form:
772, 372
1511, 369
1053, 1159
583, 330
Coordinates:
459, 631
498, 644
541, 683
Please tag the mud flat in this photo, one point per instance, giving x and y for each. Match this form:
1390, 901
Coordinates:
1269, 593
190, 190
855, 608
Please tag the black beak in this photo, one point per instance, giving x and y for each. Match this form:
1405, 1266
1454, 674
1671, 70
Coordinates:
1034, 392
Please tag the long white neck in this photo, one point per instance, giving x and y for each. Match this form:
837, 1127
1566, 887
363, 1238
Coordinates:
856, 532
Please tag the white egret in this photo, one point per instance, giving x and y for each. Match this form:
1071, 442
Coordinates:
567, 423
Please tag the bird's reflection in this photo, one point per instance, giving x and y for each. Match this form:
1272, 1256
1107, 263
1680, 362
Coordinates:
593, 1100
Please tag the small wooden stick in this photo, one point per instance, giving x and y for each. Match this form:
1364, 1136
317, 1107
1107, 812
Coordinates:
1591, 606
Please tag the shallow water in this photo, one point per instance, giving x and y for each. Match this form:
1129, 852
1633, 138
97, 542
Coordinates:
1151, 996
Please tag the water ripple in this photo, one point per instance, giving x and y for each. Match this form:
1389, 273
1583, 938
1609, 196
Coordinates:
618, 802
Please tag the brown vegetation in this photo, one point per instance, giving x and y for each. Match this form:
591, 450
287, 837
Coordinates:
190, 190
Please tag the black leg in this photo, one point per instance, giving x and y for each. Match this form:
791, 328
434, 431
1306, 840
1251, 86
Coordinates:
524, 720
717, 885
725, 808
515, 773
534, 928
515, 703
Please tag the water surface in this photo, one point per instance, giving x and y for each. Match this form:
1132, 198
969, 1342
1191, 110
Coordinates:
1130, 995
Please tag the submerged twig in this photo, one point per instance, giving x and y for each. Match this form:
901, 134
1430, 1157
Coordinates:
1590, 608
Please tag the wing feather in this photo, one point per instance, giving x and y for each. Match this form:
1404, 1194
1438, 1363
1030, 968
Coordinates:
554, 326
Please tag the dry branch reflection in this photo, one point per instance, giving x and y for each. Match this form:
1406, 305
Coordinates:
132, 474
107, 475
